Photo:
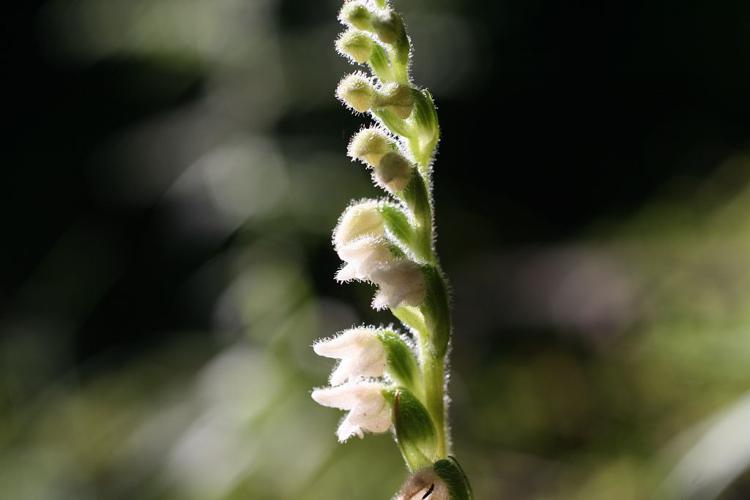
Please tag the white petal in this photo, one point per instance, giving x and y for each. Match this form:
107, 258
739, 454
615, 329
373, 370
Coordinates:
347, 396
347, 273
347, 343
341, 397
363, 255
372, 417
361, 219
399, 282
346, 430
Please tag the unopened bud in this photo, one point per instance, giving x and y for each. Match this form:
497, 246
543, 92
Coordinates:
397, 98
393, 172
389, 27
424, 485
356, 45
370, 145
357, 221
356, 91
356, 14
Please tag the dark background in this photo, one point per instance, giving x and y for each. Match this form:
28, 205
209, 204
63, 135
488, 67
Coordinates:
582, 113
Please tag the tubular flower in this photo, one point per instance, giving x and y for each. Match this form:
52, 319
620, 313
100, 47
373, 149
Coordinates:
368, 409
361, 353
402, 282
363, 257
359, 220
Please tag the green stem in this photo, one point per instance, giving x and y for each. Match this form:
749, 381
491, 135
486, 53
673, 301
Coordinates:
433, 370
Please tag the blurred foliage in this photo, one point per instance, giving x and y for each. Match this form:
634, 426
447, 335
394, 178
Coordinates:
609, 362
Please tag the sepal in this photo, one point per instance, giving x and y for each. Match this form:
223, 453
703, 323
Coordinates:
380, 63
397, 225
392, 122
425, 119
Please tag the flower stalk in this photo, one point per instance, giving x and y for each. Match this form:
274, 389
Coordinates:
386, 379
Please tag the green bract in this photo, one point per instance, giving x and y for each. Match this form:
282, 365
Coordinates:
415, 430
389, 378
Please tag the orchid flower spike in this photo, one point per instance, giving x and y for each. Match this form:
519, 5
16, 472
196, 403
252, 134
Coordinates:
385, 379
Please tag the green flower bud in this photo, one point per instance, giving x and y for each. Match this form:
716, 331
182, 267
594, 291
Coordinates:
356, 92
393, 172
389, 27
397, 98
424, 485
356, 14
355, 45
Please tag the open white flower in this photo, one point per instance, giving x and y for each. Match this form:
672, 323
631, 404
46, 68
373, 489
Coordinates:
361, 353
368, 409
362, 256
400, 282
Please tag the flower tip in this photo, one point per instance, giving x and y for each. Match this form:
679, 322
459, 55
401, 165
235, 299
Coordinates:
370, 145
355, 13
356, 91
356, 45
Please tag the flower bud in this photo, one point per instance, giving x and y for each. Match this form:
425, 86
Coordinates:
397, 98
359, 220
356, 91
424, 485
393, 172
356, 45
401, 282
356, 13
389, 27
370, 145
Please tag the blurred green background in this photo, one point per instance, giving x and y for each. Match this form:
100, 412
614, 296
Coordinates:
172, 172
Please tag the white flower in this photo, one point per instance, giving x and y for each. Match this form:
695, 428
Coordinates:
368, 409
360, 351
400, 282
362, 257
358, 220
370, 145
